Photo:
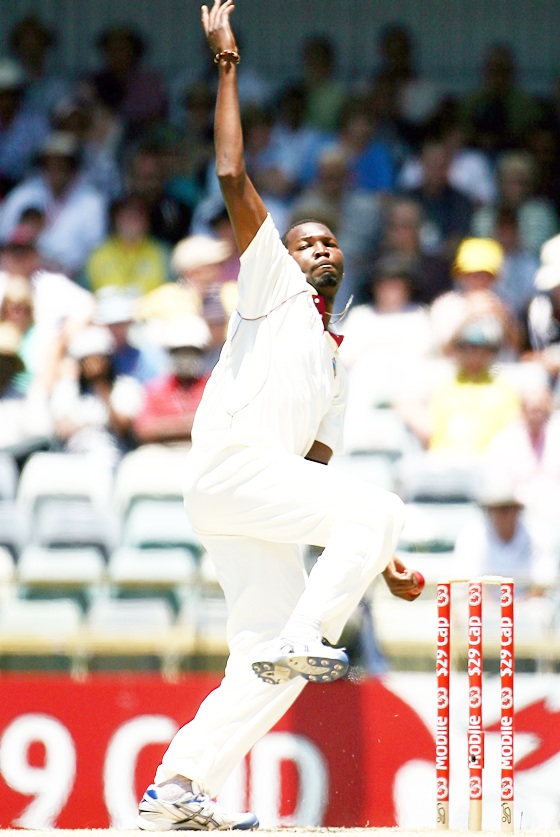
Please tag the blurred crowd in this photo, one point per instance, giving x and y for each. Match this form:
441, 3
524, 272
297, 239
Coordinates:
118, 266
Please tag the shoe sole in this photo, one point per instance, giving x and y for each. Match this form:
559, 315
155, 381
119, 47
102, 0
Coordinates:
313, 668
150, 825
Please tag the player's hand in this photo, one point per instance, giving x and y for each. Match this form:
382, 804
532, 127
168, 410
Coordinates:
402, 582
217, 28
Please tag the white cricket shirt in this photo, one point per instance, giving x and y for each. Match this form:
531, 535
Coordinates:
278, 382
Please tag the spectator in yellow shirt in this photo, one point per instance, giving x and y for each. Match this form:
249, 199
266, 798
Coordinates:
462, 415
130, 258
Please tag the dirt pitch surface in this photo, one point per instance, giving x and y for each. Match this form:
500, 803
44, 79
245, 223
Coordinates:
378, 832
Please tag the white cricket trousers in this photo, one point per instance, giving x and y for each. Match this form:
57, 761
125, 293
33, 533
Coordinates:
253, 509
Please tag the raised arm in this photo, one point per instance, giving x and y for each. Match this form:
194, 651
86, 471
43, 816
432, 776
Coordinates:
245, 207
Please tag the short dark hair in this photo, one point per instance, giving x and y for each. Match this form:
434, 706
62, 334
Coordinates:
129, 201
30, 21
132, 35
297, 223
394, 266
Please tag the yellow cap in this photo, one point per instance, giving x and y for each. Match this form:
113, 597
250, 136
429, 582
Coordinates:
476, 255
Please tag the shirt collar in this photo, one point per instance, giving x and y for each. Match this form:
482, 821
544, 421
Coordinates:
320, 306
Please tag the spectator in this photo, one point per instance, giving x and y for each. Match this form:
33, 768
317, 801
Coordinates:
200, 273
24, 419
371, 164
133, 90
528, 450
543, 317
503, 543
324, 93
470, 170
59, 304
381, 105
17, 308
146, 176
130, 258
93, 408
98, 133
22, 131
402, 236
414, 98
387, 342
31, 43
193, 149
516, 280
135, 355
462, 415
196, 261
75, 213
543, 143
499, 113
390, 329
536, 216
447, 211
171, 400
475, 270
295, 143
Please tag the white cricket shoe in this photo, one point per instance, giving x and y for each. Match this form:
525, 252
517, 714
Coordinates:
191, 812
285, 658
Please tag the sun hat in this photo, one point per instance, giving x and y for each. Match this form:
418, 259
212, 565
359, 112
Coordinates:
115, 305
497, 489
198, 251
186, 332
479, 255
91, 340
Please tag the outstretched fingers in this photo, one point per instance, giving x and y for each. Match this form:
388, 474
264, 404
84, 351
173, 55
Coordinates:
217, 16
204, 17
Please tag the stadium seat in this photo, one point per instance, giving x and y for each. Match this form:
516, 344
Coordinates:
377, 430
135, 634
46, 573
72, 476
134, 572
405, 630
434, 565
150, 472
53, 619
128, 617
437, 477
433, 527
159, 524
61, 522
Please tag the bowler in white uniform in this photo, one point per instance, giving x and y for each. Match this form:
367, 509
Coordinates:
257, 488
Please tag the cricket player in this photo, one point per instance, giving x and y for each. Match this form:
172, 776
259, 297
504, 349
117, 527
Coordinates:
257, 488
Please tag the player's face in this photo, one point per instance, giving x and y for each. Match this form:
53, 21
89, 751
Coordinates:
318, 253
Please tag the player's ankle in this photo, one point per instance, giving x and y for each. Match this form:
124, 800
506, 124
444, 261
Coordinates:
172, 789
